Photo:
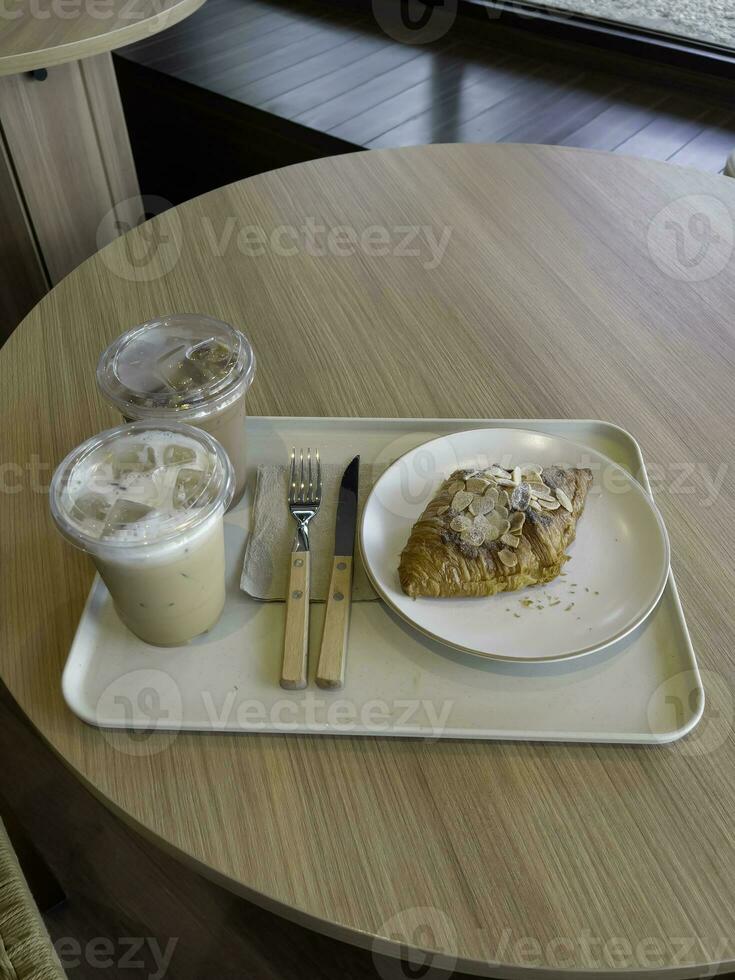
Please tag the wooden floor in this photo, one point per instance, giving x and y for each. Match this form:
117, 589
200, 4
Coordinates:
334, 72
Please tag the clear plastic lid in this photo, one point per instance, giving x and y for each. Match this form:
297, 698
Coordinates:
140, 484
185, 364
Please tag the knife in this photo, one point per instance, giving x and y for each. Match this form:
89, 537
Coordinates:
330, 672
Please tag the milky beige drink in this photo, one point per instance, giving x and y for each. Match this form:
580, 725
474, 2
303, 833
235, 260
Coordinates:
147, 502
186, 368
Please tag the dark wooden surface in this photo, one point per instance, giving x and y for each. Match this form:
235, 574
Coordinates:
265, 83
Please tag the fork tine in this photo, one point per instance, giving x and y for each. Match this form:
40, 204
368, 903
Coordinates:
310, 493
301, 477
292, 477
318, 478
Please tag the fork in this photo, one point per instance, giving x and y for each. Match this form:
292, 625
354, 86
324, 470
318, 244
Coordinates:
304, 498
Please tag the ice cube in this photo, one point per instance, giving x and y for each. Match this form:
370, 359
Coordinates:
212, 358
134, 458
177, 371
190, 485
178, 455
90, 507
123, 513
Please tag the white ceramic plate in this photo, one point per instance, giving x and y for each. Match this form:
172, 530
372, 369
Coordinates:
617, 572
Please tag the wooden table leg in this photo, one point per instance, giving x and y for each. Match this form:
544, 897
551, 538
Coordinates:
69, 157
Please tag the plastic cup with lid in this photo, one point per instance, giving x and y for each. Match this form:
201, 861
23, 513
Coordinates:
185, 367
146, 501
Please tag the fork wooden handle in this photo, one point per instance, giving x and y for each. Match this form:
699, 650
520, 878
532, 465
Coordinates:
296, 638
330, 672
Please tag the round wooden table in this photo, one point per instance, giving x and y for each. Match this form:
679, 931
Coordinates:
573, 284
67, 177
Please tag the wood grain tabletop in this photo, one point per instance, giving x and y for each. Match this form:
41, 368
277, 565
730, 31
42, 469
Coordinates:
43, 33
570, 284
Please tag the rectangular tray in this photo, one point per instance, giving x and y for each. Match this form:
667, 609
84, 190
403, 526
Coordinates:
645, 689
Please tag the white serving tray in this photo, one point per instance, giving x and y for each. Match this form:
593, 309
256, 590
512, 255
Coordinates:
645, 689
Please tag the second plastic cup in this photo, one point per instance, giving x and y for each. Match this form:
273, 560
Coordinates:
146, 501
184, 367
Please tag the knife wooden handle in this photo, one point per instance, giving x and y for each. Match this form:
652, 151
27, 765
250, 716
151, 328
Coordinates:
330, 672
296, 638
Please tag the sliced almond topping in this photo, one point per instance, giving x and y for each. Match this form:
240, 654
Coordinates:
442, 510
550, 504
462, 500
541, 493
455, 487
517, 519
531, 471
521, 496
476, 485
501, 511
461, 523
492, 533
499, 471
503, 498
564, 499
511, 540
507, 557
516, 475
473, 536
535, 504
481, 523
481, 505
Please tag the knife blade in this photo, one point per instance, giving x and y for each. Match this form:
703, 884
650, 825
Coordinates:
330, 671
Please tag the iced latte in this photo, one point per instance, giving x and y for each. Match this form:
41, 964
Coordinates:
147, 502
184, 367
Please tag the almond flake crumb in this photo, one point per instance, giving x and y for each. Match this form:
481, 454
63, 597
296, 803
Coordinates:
569, 607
